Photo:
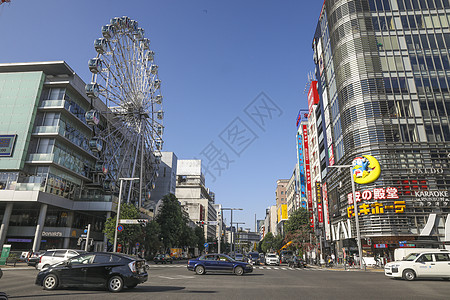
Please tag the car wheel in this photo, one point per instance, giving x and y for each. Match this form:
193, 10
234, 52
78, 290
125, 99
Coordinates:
409, 275
115, 284
132, 286
238, 271
50, 282
200, 270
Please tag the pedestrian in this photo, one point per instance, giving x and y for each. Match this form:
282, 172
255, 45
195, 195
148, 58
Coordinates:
333, 257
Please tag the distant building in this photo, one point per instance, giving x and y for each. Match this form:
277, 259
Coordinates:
166, 181
281, 203
194, 196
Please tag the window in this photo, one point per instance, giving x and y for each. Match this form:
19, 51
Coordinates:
81, 260
442, 257
425, 258
60, 253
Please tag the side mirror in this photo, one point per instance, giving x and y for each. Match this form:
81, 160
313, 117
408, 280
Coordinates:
69, 264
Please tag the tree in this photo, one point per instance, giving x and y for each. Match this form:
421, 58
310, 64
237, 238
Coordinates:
170, 220
297, 220
200, 235
151, 242
267, 242
131, 233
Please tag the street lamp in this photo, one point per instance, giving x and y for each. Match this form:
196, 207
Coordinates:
358, 234
220, 230
118, 209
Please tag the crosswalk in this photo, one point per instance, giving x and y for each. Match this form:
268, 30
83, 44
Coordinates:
283, 268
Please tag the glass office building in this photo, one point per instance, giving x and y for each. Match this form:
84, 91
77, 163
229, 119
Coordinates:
48, 186
383, 74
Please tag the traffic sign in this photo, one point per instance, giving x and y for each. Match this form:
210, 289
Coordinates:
83, 235
120, 228
133, 221
137, 244
206, 245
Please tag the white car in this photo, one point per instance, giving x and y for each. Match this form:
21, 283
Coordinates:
426, 264
53, 256
272, 259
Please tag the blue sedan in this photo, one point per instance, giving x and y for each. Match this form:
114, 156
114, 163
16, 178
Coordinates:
218, 263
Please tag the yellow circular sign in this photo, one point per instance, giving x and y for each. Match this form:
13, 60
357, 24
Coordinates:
366, 169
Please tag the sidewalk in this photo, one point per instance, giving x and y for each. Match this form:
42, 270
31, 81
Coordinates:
341, 268
19, 266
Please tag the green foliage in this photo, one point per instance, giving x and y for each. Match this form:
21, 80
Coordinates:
271, 243
297, 220
151, 240
171, 221
131, 233
198, 231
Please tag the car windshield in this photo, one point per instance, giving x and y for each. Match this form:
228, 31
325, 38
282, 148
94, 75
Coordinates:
271, 255
411, 257
254, 255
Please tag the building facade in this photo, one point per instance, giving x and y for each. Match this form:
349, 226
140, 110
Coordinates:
281, 203
194, 196
48, 193
382, 70
166, 181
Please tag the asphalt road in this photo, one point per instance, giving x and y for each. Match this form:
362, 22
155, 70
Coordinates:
176, 282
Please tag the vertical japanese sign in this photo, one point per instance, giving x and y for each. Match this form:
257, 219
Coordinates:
308, 176
326, 213
319, 203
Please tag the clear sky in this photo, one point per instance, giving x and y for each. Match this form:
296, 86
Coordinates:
215, 59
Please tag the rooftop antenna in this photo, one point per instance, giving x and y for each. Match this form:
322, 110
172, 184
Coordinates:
311, 78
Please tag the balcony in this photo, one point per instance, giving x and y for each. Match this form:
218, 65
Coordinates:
54, 104
40, 158
47, 130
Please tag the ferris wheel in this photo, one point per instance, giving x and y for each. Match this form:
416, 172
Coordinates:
128, 129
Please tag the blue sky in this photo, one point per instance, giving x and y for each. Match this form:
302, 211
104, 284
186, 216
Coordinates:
215, 58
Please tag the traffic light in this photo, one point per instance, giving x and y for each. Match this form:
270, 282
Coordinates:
201, 223
142, 222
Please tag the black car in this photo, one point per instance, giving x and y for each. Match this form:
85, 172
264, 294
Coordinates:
163, 259
218, 263
33, 260
253, 257
95, 269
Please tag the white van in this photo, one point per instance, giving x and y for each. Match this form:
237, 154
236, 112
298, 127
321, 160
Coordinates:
401, 253
53, 256
435, 263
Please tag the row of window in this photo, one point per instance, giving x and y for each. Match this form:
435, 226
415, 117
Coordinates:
385, 5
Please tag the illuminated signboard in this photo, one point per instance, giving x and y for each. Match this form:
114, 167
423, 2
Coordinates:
366, 169
308, 177
375, 194
313, 95
376, 208
7, 144
326, 213
301, 169
302, 116
319, 202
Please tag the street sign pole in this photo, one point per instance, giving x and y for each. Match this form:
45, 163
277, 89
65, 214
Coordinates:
88, 233
117, 217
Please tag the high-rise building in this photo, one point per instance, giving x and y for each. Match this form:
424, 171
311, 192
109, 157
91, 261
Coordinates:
382, 70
